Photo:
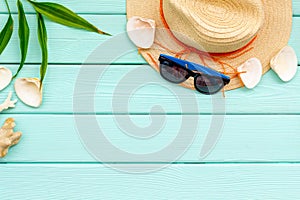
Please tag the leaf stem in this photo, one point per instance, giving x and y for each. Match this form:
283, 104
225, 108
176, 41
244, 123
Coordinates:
7, 7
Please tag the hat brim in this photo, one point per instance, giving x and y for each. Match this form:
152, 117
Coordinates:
271, 38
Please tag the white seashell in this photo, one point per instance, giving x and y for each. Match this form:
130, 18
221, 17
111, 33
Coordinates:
141, 31
29, 92
253, 72
5, 77
285, 64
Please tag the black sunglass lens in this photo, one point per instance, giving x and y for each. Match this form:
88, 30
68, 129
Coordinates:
173, 73
208, 85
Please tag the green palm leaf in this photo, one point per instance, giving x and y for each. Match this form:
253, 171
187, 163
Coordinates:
24, 33
42, 36
6, 32
62, 15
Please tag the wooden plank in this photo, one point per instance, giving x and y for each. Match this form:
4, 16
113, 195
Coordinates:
257, 138
103, 6
175, 182
113, 93
67, 45
296, 7
74, 46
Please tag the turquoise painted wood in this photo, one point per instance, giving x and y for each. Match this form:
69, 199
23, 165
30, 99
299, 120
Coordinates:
69, 46
108, 7
175, 182
268, 98
66, 45
257, 156
253, 138
296, 7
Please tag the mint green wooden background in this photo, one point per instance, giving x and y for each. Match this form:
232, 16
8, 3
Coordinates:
257, 157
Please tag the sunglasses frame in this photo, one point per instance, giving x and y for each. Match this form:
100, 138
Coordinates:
194, 70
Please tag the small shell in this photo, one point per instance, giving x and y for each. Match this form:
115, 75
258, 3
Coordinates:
252, 72
28, 91
141, 31
5, 77
285, 64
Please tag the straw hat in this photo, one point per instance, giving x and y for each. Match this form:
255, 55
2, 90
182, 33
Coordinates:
231, 31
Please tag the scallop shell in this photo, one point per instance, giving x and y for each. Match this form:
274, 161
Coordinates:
5, 77
29, 92
251, 72
141, 31
285, 64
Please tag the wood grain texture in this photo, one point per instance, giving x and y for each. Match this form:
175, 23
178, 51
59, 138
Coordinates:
75, 46
67, 45
55, 138
113, 93
176, 182
51, 162
296, 7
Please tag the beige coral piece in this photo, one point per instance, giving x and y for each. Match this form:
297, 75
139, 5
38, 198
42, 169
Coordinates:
8, 103
8, 137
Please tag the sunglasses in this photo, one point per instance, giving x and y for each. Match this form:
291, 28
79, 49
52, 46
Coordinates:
207, 81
